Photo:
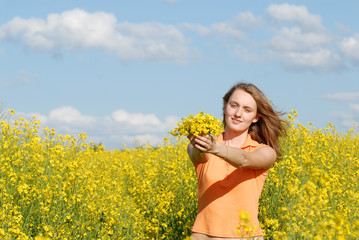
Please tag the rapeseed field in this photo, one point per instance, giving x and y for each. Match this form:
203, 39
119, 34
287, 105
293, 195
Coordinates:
62, 187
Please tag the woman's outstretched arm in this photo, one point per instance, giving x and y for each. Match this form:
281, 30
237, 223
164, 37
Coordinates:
261, 158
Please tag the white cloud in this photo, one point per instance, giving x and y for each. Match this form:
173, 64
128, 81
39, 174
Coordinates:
344, 29
295, 39
112, 131
349, 123
227, 29
321, 59
354, 108
300, 43
237, 26
69, 115
305, 44
77, 28
70, 29
247, 20
198, 28
348, 120
136, 119
233, 28
304, 50
343, 96
351, 115
148, 41
350, 47
143, 139
286, 13
299, 40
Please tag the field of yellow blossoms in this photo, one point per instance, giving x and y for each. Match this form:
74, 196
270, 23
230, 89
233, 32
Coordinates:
61, 187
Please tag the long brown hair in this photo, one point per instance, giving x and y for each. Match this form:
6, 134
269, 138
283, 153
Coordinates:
270, 126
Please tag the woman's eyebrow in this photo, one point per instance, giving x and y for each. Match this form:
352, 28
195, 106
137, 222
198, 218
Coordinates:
245, 106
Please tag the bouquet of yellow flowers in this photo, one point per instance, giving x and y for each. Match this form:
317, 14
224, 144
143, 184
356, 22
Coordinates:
198, 124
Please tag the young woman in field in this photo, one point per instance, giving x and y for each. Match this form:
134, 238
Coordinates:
232, 168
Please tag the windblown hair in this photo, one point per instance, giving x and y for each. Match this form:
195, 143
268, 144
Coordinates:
270, 126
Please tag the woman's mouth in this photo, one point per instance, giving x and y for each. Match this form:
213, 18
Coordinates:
236, 121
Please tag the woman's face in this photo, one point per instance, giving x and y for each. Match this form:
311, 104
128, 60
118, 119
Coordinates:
240, 111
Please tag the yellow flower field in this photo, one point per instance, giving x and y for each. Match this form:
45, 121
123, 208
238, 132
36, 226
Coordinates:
61, 187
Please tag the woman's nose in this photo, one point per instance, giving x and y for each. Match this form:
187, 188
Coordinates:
238, 113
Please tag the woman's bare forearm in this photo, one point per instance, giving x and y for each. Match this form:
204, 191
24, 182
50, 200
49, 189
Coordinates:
262, 158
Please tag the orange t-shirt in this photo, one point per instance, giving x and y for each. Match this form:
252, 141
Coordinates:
225, 191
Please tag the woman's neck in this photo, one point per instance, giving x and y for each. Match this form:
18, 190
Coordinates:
235, 139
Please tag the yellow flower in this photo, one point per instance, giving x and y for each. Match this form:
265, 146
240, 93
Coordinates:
11, 112
198, 124
84, 192
42, 238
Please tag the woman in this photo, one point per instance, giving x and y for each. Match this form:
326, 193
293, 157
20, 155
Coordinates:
232, 168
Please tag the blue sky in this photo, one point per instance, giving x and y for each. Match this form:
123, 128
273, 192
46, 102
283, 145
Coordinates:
127, 70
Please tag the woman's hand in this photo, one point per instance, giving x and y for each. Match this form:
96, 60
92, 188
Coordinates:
204, 143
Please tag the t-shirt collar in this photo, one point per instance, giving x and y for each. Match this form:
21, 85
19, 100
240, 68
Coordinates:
248, 143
